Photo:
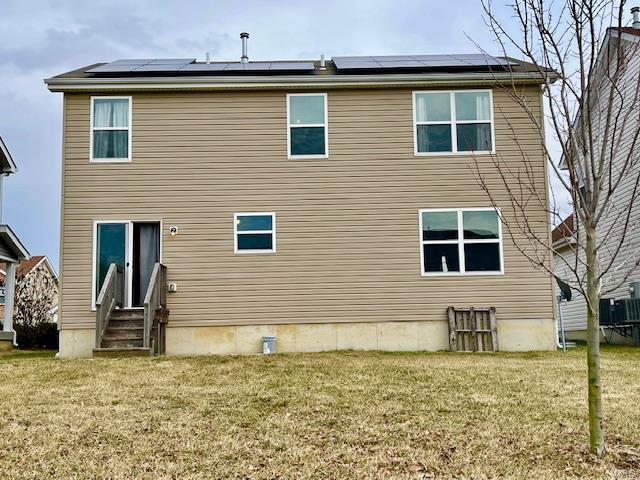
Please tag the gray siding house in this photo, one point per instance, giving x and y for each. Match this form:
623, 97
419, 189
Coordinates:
12, 252
612, 227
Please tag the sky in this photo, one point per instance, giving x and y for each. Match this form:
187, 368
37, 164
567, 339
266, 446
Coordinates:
45, 38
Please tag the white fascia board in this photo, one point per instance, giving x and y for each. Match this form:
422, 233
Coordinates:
288, 82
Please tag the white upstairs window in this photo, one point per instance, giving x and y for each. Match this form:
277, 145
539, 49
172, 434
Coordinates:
110, 129
453, 122
307, 125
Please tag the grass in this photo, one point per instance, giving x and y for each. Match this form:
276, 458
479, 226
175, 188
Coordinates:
328, 415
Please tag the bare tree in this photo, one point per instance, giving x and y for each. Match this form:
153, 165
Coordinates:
591, 105
34, 297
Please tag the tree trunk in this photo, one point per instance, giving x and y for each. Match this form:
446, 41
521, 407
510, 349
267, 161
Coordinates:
596, 435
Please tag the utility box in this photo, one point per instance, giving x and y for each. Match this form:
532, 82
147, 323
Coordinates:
268, 345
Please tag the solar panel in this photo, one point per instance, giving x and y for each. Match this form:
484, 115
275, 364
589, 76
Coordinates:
132, 61
391, 58
142, 65
355, 64
291, 66
156, 67
262, 66
203, 67
111, 68
172, 61
169, 65
402, 64
383, 62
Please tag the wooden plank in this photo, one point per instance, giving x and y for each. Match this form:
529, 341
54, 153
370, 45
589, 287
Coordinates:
474, 334
453, 346
494, 329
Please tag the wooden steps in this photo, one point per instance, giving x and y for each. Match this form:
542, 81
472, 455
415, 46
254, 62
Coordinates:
124, 335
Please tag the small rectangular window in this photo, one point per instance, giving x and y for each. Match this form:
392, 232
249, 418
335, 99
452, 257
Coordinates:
453, 122
110, 129
307, 125
254, 232
460, 241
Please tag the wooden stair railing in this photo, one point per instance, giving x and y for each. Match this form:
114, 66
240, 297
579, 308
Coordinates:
111, 296
155, 301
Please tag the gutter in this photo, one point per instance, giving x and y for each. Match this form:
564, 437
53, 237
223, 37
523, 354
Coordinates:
66, 84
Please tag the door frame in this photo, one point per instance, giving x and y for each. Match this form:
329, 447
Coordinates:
128, 255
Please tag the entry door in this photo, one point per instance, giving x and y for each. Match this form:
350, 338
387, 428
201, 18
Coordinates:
146, 253
112, 240
135, 246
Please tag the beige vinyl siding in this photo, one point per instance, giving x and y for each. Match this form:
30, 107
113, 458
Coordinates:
347, 225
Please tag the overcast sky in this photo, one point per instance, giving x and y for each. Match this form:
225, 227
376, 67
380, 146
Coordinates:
45, 38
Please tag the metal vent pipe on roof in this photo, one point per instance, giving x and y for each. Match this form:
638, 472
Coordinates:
635, 11
244, 37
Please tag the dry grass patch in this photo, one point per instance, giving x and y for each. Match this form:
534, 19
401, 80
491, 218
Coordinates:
329, 415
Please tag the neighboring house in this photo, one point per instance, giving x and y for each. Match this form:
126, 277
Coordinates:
37, 266
11, 252
611, 228
332, 204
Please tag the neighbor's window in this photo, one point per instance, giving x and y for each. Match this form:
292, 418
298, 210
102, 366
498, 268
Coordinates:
255, 232
110, 128
459, 241
452, 122
307, 124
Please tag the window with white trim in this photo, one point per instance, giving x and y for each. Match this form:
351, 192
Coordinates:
460, 241
307, 125
110, 129
453, 122
254, 232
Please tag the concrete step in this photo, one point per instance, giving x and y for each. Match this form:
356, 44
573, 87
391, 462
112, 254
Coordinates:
122, 352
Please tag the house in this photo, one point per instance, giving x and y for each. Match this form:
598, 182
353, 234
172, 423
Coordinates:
39, 271
611, 230
331, 204
11, 252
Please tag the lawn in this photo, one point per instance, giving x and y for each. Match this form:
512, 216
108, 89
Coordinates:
326, 415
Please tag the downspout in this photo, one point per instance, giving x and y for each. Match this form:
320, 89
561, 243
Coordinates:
9, 299
2, 175
560, 327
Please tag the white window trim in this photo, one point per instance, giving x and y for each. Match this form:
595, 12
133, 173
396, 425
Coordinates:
91, 130
325, 125
128, 257
254, 214
453, 122
461, 242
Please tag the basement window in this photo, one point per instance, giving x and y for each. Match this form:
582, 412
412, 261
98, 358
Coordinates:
307, 125
460, 242
254, 232
446, 122
110, 129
